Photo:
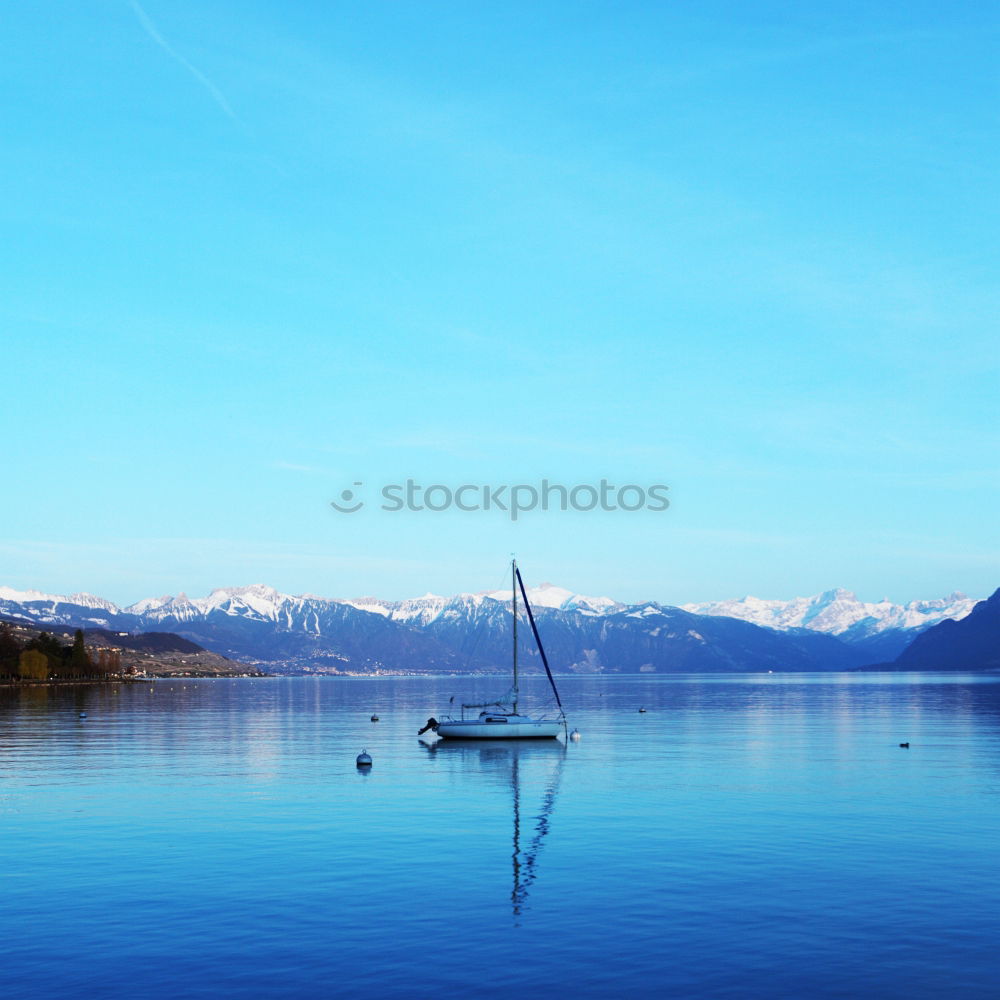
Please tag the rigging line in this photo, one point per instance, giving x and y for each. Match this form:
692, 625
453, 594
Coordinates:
538, 640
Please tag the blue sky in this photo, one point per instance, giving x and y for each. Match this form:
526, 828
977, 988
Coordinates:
257, 252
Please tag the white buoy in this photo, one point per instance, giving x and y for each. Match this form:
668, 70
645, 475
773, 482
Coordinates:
364, 759
575, 735
642, 710
83, 715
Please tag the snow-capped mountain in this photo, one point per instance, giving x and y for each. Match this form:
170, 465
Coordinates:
424, 610
257, 600
472, 631
882, 629
548, 595
36, 597
55, 609
970, 644
838, 612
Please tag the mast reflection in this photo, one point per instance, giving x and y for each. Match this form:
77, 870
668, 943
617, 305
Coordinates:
532, 827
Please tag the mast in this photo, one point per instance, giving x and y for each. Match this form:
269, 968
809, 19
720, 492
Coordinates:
525, 862
513, 590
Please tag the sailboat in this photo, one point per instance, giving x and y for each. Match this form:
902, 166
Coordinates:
502, 719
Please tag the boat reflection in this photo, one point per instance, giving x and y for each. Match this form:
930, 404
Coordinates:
523, 767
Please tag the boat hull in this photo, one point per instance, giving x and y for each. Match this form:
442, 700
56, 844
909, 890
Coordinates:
476, 729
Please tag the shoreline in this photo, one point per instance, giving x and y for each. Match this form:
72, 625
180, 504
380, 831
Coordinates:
75, 683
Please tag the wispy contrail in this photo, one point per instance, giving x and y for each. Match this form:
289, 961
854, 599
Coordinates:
151, 30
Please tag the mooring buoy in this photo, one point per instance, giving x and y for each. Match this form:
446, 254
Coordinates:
364, 759
575, 735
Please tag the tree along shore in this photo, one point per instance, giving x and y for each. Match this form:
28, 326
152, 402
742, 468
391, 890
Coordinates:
44, 659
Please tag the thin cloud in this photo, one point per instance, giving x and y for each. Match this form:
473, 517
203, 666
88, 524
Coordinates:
293, 467
153, 33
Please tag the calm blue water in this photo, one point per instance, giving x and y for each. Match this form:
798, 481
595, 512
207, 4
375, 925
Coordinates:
748, 836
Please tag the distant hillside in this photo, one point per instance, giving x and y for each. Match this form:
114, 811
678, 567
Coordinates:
970, 644
144, 642
156, 654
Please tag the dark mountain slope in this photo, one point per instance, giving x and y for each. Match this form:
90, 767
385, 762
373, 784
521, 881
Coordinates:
970, 644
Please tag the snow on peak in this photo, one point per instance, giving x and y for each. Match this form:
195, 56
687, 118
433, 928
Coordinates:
91, 601
838, 594
371, 604
259, 598
27, 596
424, 610
837, 611
592, 605
420, 610
548, 595
149, 604
644, 610
36, 596
416, 610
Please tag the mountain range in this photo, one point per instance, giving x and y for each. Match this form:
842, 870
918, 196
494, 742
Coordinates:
282, 632
882, 629
972, 643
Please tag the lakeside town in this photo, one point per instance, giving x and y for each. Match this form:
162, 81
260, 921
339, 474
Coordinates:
31, 656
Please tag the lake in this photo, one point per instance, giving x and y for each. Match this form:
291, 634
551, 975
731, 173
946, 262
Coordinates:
751, 835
